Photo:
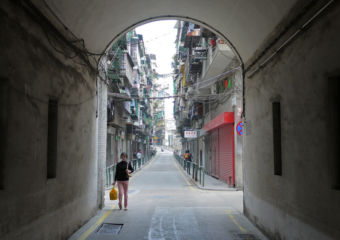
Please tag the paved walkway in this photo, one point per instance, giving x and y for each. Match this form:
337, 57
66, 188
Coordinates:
211, 183
164, 204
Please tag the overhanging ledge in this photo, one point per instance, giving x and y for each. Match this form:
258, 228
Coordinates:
220, 120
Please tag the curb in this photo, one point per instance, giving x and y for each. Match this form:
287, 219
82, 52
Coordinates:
203, 188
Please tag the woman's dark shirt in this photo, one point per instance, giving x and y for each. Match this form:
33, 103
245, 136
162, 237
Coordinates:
121, 174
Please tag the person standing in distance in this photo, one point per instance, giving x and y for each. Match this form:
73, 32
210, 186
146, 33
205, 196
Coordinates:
187, 155
123, 169
139, 154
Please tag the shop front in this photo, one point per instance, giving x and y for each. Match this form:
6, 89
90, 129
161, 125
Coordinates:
222, 162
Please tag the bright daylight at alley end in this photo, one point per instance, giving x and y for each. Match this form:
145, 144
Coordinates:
169, 120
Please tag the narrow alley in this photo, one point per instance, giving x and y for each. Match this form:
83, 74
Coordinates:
244, 93
163, 204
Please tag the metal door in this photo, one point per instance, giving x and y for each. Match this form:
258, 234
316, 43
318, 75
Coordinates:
214, 152
226, 154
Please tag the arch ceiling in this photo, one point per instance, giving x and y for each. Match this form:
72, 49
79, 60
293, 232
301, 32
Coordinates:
245, 23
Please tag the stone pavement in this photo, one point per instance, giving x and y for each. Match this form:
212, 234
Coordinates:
165, 205
211, 183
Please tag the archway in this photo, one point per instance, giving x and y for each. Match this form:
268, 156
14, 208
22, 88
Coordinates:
257, 30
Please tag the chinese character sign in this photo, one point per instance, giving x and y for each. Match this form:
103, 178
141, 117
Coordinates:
190, 134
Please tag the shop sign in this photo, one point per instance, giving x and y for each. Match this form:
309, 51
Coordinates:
190, 134
222, 45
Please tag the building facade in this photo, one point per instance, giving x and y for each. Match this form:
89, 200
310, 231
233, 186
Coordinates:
208, 84
130, 75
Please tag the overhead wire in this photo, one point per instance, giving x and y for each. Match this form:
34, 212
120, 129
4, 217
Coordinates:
217, 77
48, 30
83, 53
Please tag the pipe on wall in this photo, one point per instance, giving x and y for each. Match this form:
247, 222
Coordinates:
286, 42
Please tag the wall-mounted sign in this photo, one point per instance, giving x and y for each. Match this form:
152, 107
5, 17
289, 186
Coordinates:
222, 45
200, 53
190, 134
239, 128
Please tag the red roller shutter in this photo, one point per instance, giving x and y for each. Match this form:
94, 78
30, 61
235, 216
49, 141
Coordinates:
226, 154
214, 153
221, 130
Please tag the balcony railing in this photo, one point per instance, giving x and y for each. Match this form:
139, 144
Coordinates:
126, 70
134, 91
218, 60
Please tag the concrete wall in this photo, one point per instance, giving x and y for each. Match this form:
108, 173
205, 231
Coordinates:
101, 136
232, 103
238, 139
32, 206
110, 146
300, 204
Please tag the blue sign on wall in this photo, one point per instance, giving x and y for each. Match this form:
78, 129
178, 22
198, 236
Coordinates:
239, 128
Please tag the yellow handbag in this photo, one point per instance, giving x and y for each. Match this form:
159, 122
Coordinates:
128, 174
113, 194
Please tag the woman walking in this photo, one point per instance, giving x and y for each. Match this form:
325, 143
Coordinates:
123, 170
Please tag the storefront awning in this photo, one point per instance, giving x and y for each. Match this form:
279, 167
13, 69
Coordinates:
220, 120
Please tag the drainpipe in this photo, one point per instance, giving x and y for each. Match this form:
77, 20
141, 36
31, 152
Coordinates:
285, 43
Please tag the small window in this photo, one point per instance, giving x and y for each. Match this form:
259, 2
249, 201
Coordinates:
52, 137
3, 127
112, 144
277, 138
333, 103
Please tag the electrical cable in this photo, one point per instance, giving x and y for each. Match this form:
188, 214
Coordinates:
158, 37
100, 54
287, 41
218, 76
99, 63
48, 28
55, 48
77, 39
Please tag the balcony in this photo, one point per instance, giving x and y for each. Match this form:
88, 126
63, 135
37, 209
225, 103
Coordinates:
126, 70
134, 92
184, 122
200, 53
218, 60
195, 67
196, 111
146, 92
133, 115
193, 38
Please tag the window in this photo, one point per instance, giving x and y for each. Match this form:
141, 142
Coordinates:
3, 127
277, 138
112, 144
52, 138
333, 103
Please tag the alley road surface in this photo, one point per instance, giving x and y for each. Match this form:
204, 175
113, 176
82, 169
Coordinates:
163, 205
